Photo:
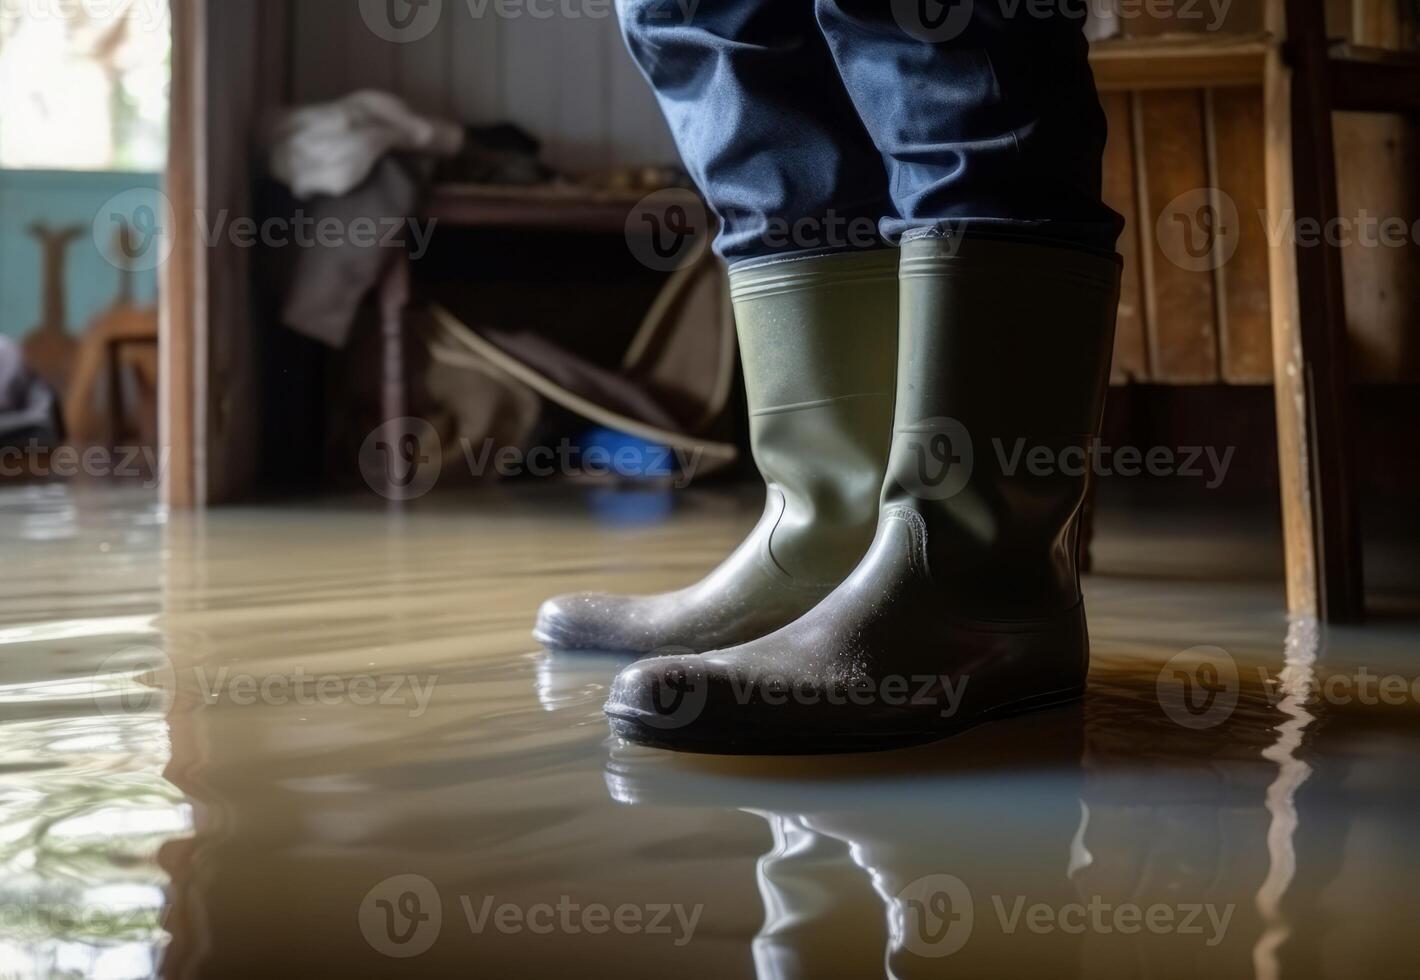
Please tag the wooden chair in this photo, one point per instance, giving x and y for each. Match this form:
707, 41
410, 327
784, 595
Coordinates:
1304, 79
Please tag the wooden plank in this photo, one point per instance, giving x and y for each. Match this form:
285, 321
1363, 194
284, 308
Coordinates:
181, 278
1245, 327
1377, 159
1320, 522
1289, 386
1377, 22
243, 85
223, 78
1129, 64
555, 209
1151, 20
1183, 340
1131, 353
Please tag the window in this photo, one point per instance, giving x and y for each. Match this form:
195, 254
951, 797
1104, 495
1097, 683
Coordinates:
83, 84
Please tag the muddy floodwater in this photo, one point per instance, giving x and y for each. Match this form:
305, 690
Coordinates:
317, 740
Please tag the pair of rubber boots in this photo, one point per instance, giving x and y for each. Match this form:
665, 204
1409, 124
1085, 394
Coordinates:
924, 419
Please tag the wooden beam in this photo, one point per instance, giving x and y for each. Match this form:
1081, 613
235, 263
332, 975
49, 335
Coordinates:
550, 208
1289, 387
1173, 61
1309, 339
182, 279
1376, 22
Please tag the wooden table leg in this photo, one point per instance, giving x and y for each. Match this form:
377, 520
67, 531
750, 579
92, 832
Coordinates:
394, 295
113, 359
1309, 343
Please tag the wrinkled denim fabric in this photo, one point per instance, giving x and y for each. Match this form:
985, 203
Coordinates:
814, 126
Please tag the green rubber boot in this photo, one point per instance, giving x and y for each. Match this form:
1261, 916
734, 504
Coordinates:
818, 339
967, 606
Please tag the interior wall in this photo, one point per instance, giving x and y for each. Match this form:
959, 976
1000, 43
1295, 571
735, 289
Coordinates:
60, 199
567, 80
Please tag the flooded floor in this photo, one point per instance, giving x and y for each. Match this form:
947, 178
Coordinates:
318, 741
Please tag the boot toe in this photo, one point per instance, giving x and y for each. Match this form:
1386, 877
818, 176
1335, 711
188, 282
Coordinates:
583, 621
699, 703
661, 695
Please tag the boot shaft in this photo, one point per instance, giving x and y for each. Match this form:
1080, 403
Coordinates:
818, 341
1003, 363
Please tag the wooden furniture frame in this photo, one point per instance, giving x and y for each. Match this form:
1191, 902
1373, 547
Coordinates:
1304, 79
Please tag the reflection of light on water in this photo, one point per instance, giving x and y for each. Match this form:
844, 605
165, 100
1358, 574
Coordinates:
1295, 685
566, 681
1080, 856
785, 906
73, 629
86, 806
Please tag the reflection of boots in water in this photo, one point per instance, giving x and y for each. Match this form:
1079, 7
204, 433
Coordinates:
955, 845
819, 920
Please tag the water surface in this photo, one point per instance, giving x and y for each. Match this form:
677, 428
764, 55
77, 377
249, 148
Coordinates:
309, 741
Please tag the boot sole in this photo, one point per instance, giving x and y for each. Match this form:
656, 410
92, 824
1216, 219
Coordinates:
750, 743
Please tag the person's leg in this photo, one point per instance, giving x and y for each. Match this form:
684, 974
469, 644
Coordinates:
763, 123
987, 117
769, 134
967, 606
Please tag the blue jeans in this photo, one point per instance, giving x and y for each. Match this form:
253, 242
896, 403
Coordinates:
814, 126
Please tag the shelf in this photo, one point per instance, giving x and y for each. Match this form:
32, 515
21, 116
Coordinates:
557, 207
1179, 61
